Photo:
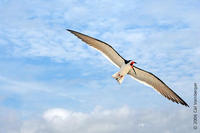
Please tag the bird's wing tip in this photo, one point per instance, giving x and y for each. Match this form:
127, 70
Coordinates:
72, 31
184, 103
187, 105
69, 30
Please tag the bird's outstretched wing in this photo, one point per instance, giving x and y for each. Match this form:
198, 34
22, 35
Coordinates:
107, 50
151, 80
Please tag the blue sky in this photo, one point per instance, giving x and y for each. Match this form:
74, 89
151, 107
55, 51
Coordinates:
45, 69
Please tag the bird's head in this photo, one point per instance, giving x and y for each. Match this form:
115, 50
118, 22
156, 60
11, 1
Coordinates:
132, 63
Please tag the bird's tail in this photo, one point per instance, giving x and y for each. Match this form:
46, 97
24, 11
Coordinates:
119, 77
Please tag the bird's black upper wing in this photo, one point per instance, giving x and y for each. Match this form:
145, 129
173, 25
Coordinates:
151, 80
107, 50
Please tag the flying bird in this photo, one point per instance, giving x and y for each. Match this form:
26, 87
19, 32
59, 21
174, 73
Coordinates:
127, 67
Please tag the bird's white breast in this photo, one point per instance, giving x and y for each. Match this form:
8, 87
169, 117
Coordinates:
119, 76
125, 69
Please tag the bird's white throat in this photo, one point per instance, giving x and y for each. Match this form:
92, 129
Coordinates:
119, 76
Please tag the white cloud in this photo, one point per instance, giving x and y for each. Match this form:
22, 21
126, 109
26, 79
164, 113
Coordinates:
9, 121
100, 120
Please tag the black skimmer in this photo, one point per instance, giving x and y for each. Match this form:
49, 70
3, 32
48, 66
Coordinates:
127, 67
